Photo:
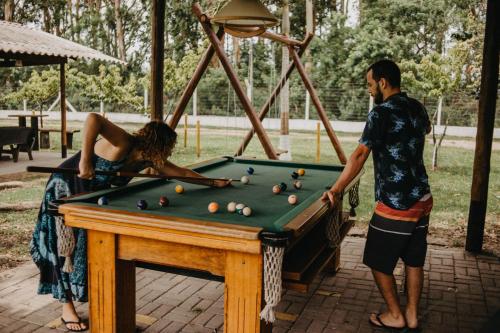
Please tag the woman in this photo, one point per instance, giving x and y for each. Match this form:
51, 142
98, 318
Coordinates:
150, 147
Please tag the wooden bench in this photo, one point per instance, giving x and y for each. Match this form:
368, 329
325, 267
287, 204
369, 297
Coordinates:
16, 138
45, 136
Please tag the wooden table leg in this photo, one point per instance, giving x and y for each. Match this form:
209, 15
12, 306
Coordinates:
243, 292
22, 121
111, 286
34, 127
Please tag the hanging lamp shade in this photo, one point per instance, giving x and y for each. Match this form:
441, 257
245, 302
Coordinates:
245, 18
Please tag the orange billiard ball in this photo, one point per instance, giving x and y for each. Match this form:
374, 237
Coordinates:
213, 207
179, 189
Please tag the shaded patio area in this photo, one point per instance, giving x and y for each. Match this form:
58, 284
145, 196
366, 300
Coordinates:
461, 294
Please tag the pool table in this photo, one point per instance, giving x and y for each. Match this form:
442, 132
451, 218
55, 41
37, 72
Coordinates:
185, 236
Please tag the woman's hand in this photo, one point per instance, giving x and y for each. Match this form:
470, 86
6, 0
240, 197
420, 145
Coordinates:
86, 169
221, 182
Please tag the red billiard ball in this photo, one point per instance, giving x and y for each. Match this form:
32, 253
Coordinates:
163, 201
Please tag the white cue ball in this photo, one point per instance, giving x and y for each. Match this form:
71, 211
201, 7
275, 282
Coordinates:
245, 180
231, 207
247, 211
292, 199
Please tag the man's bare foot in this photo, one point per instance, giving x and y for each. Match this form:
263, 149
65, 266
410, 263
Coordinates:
411, 318
70, 318
386, 319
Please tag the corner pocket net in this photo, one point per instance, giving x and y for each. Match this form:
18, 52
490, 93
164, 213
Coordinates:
274, 251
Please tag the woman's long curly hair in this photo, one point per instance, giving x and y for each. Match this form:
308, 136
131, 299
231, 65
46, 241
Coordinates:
155, 141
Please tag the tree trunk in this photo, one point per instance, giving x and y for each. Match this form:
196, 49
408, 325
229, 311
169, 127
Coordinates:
77, 19
9, 10
120, 35
46, 19
284, 144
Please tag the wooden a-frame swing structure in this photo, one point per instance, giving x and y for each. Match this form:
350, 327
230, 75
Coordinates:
296, 49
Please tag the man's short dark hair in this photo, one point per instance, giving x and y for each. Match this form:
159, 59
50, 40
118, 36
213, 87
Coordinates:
388, 70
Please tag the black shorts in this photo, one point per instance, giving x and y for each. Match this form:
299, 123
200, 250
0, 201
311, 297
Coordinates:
396, 234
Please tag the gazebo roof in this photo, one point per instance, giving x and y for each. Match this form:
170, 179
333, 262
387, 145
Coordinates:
30, 46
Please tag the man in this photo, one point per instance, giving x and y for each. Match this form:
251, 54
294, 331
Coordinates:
395, 131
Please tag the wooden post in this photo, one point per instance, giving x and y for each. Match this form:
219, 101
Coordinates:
185, 129
285, 144
270, 101
195, 79
198, 139
319, 107
62, 82
257, 125
318, 141
485, 126
157, 48
309, 30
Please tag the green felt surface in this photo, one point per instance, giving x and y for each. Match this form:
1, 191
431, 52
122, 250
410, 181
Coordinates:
270, 211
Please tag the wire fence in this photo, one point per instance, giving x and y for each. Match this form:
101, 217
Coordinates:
350, 104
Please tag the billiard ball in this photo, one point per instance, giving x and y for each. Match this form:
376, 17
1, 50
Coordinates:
301, 172
247, 211
292, 199
297, 184
142, 204
250, 170
163, 201
295, 175
179, 189
276, 189
231, 207
102, 201
213, 207
283, 187
239, 208
245, 180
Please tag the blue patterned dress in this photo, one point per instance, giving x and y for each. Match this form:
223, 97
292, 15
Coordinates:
43, 246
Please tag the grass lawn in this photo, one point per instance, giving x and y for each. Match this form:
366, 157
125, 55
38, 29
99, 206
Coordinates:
450, 186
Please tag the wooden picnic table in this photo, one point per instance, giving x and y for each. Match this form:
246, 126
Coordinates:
34, 124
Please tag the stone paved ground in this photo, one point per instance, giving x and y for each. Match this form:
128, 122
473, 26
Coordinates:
461, 292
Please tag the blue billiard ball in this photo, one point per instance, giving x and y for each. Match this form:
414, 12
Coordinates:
283, 187
102, 201
295, 175
250, 170
142, 204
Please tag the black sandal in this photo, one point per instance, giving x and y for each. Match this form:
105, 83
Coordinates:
382, 325
79, 322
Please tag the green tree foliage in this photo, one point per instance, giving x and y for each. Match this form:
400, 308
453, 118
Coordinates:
108, 86
40, 89
432, 76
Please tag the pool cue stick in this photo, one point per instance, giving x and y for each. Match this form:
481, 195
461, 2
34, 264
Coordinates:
115, 173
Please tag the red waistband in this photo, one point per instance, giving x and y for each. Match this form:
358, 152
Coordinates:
413, 214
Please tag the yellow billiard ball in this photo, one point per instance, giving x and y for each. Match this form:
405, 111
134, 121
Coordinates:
179, 189
301, 172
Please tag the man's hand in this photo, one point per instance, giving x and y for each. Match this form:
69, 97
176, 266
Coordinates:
86, 169
331, 196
